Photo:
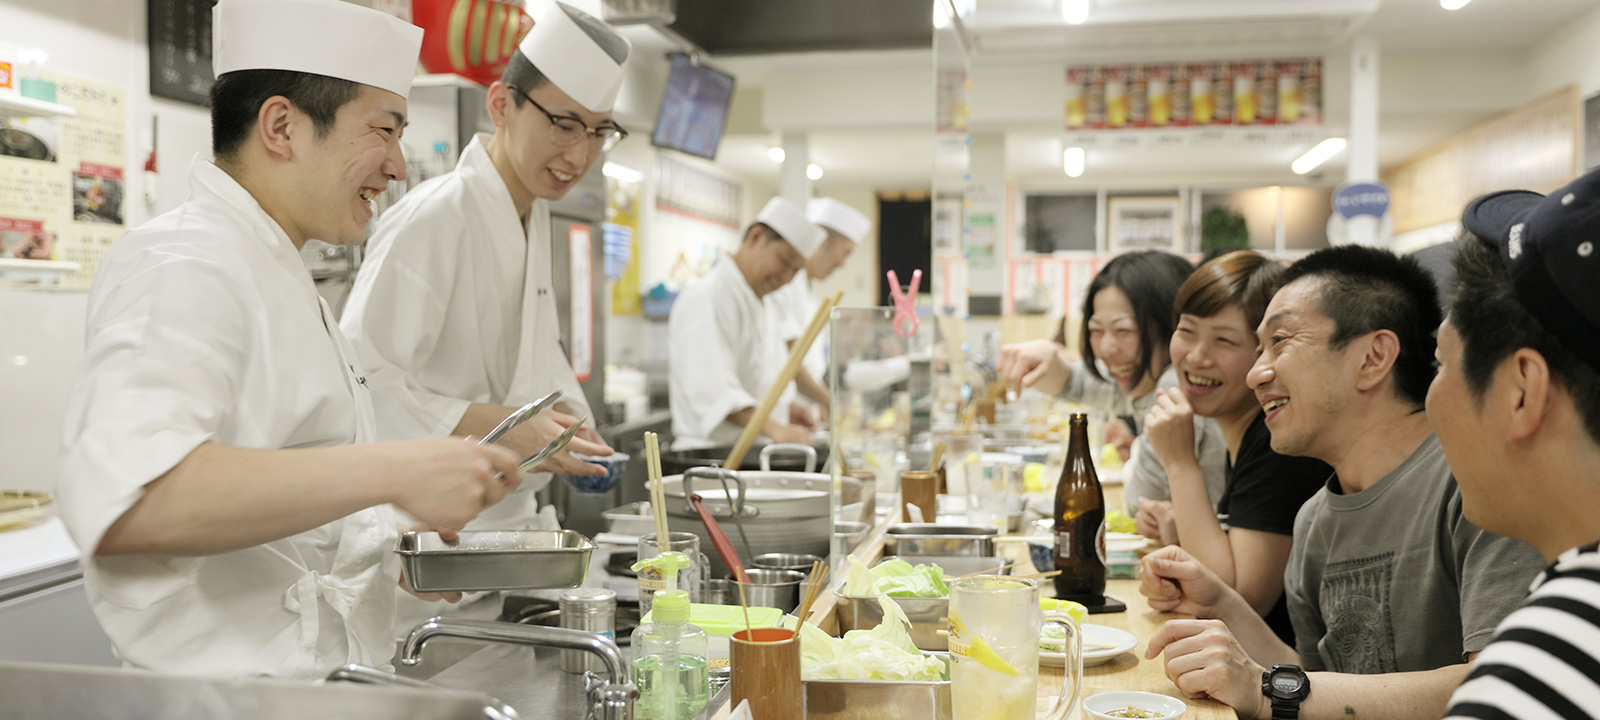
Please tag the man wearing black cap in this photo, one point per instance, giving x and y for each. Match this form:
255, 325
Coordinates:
1516, 405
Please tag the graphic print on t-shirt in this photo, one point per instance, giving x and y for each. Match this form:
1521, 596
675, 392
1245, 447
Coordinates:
1355, 607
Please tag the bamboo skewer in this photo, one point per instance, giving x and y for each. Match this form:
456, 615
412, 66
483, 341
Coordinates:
796, 355
658, 493
819, 574
938, 453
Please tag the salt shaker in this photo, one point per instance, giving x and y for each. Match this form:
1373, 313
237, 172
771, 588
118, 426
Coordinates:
593, 610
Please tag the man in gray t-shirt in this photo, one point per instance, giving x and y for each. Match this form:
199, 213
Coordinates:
1390, 590
1393, 579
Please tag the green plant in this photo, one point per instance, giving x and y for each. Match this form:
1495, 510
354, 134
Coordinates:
1223, 227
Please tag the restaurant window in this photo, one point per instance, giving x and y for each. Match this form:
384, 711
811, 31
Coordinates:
1059, 222
1304, 212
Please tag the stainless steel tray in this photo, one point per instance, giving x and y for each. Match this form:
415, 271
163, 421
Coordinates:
877, 699
494, 560
930, 539
927, 615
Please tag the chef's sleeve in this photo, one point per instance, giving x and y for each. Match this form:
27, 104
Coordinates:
703, 355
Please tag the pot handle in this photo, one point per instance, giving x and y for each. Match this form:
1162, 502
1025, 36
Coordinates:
1064, 705
775, 448
736, 503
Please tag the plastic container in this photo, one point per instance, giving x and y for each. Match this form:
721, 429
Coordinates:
720, 621
669, 662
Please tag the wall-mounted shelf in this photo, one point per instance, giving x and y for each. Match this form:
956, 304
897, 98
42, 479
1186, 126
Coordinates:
35, 272
13, 105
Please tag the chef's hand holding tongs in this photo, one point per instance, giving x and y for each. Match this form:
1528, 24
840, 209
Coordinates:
530, 427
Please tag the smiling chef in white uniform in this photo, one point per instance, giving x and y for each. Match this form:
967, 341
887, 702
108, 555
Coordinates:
455, 299
791, 308
230, 525
722, 351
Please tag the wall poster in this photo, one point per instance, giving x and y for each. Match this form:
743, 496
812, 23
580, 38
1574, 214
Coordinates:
1144, 223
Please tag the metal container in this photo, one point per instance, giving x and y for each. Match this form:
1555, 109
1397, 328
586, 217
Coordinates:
772, 588
631, 519
494, 560
927, 615
758, 458
593, 610
878, 699
798, 562
777, 511
847, 535
931, 539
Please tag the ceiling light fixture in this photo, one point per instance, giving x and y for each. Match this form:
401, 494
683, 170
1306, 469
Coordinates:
1072, 161
1077, 11
1317, 155
775, 154
621, 172
1453, 4
814, 171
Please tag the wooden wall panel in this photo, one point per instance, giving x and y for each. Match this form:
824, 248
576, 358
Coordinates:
1534, 147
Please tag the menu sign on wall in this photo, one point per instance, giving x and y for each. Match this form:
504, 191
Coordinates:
1208, 94
180, 49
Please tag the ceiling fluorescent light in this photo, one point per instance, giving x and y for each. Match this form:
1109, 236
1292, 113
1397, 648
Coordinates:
1317, 155
1077, 11
1453, 4
1072, 161
814, 171
775, 154
621, 172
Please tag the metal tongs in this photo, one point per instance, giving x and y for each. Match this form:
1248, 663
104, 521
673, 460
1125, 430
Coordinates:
522, 415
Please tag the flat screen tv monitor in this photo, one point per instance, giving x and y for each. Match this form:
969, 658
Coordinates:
694, 109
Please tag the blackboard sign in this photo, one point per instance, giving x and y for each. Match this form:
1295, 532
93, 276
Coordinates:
180, 49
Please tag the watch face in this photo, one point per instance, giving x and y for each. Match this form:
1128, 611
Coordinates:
1285, 683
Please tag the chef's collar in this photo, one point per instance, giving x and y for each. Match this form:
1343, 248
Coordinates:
319, 37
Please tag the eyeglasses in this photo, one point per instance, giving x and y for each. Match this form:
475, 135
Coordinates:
568, 131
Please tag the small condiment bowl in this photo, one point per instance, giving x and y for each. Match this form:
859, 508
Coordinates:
1166, 707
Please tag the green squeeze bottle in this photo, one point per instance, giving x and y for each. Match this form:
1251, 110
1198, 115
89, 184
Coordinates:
669, 654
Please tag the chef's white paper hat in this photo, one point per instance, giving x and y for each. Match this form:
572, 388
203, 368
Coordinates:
788, 220
838, 217
561, 49
320, 37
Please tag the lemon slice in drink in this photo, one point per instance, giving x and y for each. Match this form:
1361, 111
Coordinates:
980, 651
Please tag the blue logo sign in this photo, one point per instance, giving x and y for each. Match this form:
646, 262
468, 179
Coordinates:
1355, 199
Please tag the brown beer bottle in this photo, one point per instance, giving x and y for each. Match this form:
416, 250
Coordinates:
1080, 527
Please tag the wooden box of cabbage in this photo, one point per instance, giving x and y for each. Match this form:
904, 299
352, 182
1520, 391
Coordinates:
927, 615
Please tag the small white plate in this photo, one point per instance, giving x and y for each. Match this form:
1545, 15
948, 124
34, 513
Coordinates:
1119, 640
1167, 707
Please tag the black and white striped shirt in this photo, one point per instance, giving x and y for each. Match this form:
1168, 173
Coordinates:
1544, 662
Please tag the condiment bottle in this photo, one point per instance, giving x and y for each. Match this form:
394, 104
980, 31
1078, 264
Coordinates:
1080, 522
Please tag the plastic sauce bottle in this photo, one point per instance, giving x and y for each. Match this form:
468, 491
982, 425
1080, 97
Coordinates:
669, 662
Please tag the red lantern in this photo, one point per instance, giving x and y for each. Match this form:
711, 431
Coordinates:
471, 38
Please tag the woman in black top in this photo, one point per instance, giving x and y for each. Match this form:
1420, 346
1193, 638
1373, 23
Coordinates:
1246, 540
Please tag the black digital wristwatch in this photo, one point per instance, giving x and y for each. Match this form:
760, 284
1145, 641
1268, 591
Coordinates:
1286, 686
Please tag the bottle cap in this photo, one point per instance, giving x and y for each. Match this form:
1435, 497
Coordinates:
671, 606
666, 565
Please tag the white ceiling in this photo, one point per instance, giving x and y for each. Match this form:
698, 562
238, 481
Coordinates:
901, 156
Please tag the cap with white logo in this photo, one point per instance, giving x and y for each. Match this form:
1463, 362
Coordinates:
561, 49
789, 221
1547, 245
319, 37
838, 217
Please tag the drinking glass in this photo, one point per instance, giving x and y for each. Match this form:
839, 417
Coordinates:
961, 453
995, 625
991, 491
689, 578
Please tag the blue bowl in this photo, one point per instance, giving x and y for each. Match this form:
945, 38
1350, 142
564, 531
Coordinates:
1043, 556
615, 464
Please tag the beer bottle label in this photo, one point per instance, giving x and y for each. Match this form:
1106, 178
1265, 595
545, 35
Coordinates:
1064, 544
1100, 543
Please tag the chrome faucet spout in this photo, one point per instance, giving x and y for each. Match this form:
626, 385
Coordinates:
616, 671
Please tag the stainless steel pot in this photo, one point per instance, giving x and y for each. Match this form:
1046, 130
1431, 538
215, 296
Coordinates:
768, 511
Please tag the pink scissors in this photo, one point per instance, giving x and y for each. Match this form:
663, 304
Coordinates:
905, 304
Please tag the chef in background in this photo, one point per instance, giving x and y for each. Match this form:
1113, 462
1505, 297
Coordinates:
722, 351
791, 308
454, 301
217, 466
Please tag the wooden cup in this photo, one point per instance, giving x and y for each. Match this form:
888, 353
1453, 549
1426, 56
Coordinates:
922, 490
765, 668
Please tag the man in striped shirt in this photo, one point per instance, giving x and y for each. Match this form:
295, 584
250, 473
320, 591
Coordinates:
1516, 405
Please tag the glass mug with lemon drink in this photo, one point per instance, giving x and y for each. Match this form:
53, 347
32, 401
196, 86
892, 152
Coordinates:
995, 625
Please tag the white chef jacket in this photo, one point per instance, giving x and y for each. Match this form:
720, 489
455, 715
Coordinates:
791, 308
204, 325
722, 356
454, 302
